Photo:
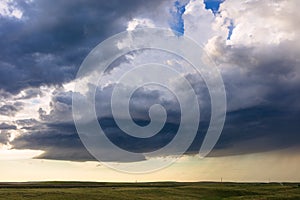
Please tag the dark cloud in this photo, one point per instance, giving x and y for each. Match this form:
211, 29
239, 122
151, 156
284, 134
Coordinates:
254, 126
4, 126
30, 124
57, 136
30, 93
4, 95
266, 75
258, 129
59, 141
250, 130
51, 40
27, 122
61, 105
4, 136
11, 109
262, 84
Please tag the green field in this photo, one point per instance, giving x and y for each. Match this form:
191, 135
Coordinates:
160, 190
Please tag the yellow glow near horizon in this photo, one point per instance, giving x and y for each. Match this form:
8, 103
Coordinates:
277, 166
13, 154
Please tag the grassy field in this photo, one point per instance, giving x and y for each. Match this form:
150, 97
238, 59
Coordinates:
160, 190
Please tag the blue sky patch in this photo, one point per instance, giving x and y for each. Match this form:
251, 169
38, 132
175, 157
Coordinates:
213, 5
177, 23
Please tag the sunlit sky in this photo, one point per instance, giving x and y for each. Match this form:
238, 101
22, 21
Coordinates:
254, 44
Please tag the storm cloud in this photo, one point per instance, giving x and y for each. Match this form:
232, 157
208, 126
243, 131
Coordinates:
47, 45
259, 64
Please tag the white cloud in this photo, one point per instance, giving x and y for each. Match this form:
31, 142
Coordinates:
140, 23
197, 21
261, 22
8, 8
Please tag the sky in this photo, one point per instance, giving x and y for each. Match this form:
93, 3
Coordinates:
254, 45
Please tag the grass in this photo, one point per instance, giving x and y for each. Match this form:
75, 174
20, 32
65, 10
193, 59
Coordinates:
159, 190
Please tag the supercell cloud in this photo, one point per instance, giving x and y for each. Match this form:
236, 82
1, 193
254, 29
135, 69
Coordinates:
254, 44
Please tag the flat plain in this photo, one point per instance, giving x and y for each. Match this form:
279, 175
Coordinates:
156, 190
